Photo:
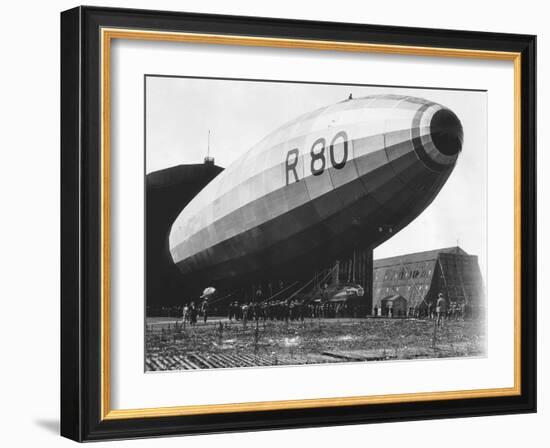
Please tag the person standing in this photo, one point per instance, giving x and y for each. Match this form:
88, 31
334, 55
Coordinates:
440, 309
185, 314
244, 310
205, 310
193, 314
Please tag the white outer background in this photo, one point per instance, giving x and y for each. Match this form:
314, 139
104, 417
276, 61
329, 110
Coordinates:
29, 235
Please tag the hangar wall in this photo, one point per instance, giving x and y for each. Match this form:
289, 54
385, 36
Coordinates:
168, 191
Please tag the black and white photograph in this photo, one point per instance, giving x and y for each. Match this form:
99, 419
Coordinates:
291, 223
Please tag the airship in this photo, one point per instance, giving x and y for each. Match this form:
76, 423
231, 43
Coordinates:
344, 176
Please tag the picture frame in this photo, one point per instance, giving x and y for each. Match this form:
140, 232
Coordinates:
87, 34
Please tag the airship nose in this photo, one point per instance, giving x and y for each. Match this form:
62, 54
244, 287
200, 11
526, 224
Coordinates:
446, 132
437, 136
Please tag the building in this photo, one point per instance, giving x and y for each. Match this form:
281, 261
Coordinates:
409, 284
168, 191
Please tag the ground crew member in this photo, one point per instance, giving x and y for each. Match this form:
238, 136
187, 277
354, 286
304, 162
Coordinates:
193, 314
205, 310
185, 314
440, 308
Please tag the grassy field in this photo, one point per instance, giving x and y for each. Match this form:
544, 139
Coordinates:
220, 343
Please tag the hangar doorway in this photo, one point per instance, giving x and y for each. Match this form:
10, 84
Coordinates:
394, 306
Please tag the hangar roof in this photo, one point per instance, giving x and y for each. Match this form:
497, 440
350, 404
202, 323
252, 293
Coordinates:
417, 256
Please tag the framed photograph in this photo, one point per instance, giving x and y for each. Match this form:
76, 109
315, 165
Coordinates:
273, 223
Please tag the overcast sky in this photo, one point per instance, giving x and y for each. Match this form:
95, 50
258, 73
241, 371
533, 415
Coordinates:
180, 111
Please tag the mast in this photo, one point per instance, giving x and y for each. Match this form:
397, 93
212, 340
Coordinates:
208, 160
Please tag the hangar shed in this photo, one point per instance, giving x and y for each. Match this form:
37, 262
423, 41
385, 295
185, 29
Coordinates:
419, 277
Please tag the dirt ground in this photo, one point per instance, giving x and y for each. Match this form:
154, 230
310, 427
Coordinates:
221, 343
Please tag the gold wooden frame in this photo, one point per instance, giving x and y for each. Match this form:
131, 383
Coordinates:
107, 35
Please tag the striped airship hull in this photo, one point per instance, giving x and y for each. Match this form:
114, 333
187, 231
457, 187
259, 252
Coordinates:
345, 176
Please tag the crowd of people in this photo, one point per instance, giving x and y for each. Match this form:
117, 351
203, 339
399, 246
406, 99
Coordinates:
292, 310
440, 309
191, 312
299, 310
